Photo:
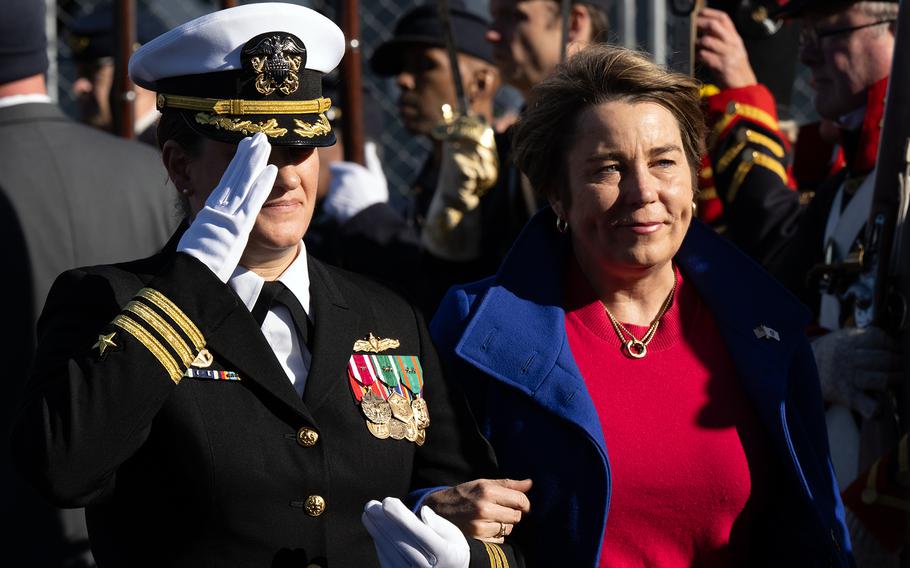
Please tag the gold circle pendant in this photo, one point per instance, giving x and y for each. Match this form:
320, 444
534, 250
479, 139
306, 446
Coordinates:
636, 349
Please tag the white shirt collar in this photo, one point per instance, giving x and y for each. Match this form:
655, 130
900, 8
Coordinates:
247, 284
14, 100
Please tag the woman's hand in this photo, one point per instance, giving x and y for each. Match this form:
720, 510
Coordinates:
486, 509
720, 48
220, 231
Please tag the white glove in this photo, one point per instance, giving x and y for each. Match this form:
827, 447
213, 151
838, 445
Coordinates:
403, 540
354, 188
854, 365
219, 233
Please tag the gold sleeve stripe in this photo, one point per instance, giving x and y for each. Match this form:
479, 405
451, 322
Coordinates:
724, 162
502, 555
767, 142
175, 313
497, 556
163, 328
766, 161
706, 173
755, 138
152, 344
750, 112
755, 159
490, 554
754, 114
242, 107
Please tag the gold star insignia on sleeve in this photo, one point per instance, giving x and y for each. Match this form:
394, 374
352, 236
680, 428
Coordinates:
104, 341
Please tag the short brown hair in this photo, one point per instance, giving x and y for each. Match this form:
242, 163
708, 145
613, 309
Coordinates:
597, 74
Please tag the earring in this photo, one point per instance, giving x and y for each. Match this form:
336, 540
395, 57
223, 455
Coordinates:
694, 209
561, 224
185, 191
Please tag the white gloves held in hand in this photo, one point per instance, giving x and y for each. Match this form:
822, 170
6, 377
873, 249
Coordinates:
402, 539
219, 233
854, 365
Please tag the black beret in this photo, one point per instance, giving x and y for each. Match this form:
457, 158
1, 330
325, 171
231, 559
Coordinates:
421, 26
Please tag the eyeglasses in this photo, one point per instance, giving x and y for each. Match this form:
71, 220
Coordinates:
811, 36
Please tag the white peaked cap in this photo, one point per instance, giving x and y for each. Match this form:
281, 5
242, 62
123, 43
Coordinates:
213, 42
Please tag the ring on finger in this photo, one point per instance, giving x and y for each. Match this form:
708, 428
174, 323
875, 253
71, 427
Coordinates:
502, 530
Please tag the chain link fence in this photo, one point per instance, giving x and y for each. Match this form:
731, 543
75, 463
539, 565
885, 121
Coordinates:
402, 154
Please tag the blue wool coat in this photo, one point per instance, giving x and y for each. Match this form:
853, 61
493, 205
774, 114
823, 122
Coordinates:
504, 339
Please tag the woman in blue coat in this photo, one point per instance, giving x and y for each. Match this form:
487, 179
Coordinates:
652, 381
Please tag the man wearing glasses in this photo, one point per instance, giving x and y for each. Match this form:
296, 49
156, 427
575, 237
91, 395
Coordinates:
848, 47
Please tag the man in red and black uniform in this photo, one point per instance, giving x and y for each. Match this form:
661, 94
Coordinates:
848, 47
744, 55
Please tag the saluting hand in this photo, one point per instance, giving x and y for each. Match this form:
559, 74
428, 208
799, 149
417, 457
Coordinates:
219, 233
486, 509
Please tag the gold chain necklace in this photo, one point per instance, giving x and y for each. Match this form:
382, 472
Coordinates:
638, 348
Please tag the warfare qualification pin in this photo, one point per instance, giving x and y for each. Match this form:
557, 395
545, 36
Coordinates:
375, 344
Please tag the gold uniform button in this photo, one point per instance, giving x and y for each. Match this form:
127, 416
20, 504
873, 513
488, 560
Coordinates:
307, 437
314, 506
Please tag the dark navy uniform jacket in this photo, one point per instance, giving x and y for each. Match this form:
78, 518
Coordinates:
504, 339
198, 472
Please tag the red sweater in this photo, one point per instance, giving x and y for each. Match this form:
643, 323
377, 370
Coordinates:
672, 424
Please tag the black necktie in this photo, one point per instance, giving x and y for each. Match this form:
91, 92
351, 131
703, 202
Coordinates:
275, 292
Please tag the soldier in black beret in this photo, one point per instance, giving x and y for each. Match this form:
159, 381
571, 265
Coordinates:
69, 195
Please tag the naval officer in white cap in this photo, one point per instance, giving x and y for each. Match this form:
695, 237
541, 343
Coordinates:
232, 401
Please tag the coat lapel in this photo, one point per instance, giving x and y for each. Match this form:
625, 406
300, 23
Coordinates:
742, 297
239, 342
517, 334
334, 324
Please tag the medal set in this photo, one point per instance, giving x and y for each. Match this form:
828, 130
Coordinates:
389, 389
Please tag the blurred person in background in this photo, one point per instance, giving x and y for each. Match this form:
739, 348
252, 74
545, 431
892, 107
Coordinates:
848, 47
760, 70
92, 41
78, 196
527, 39
412, 251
